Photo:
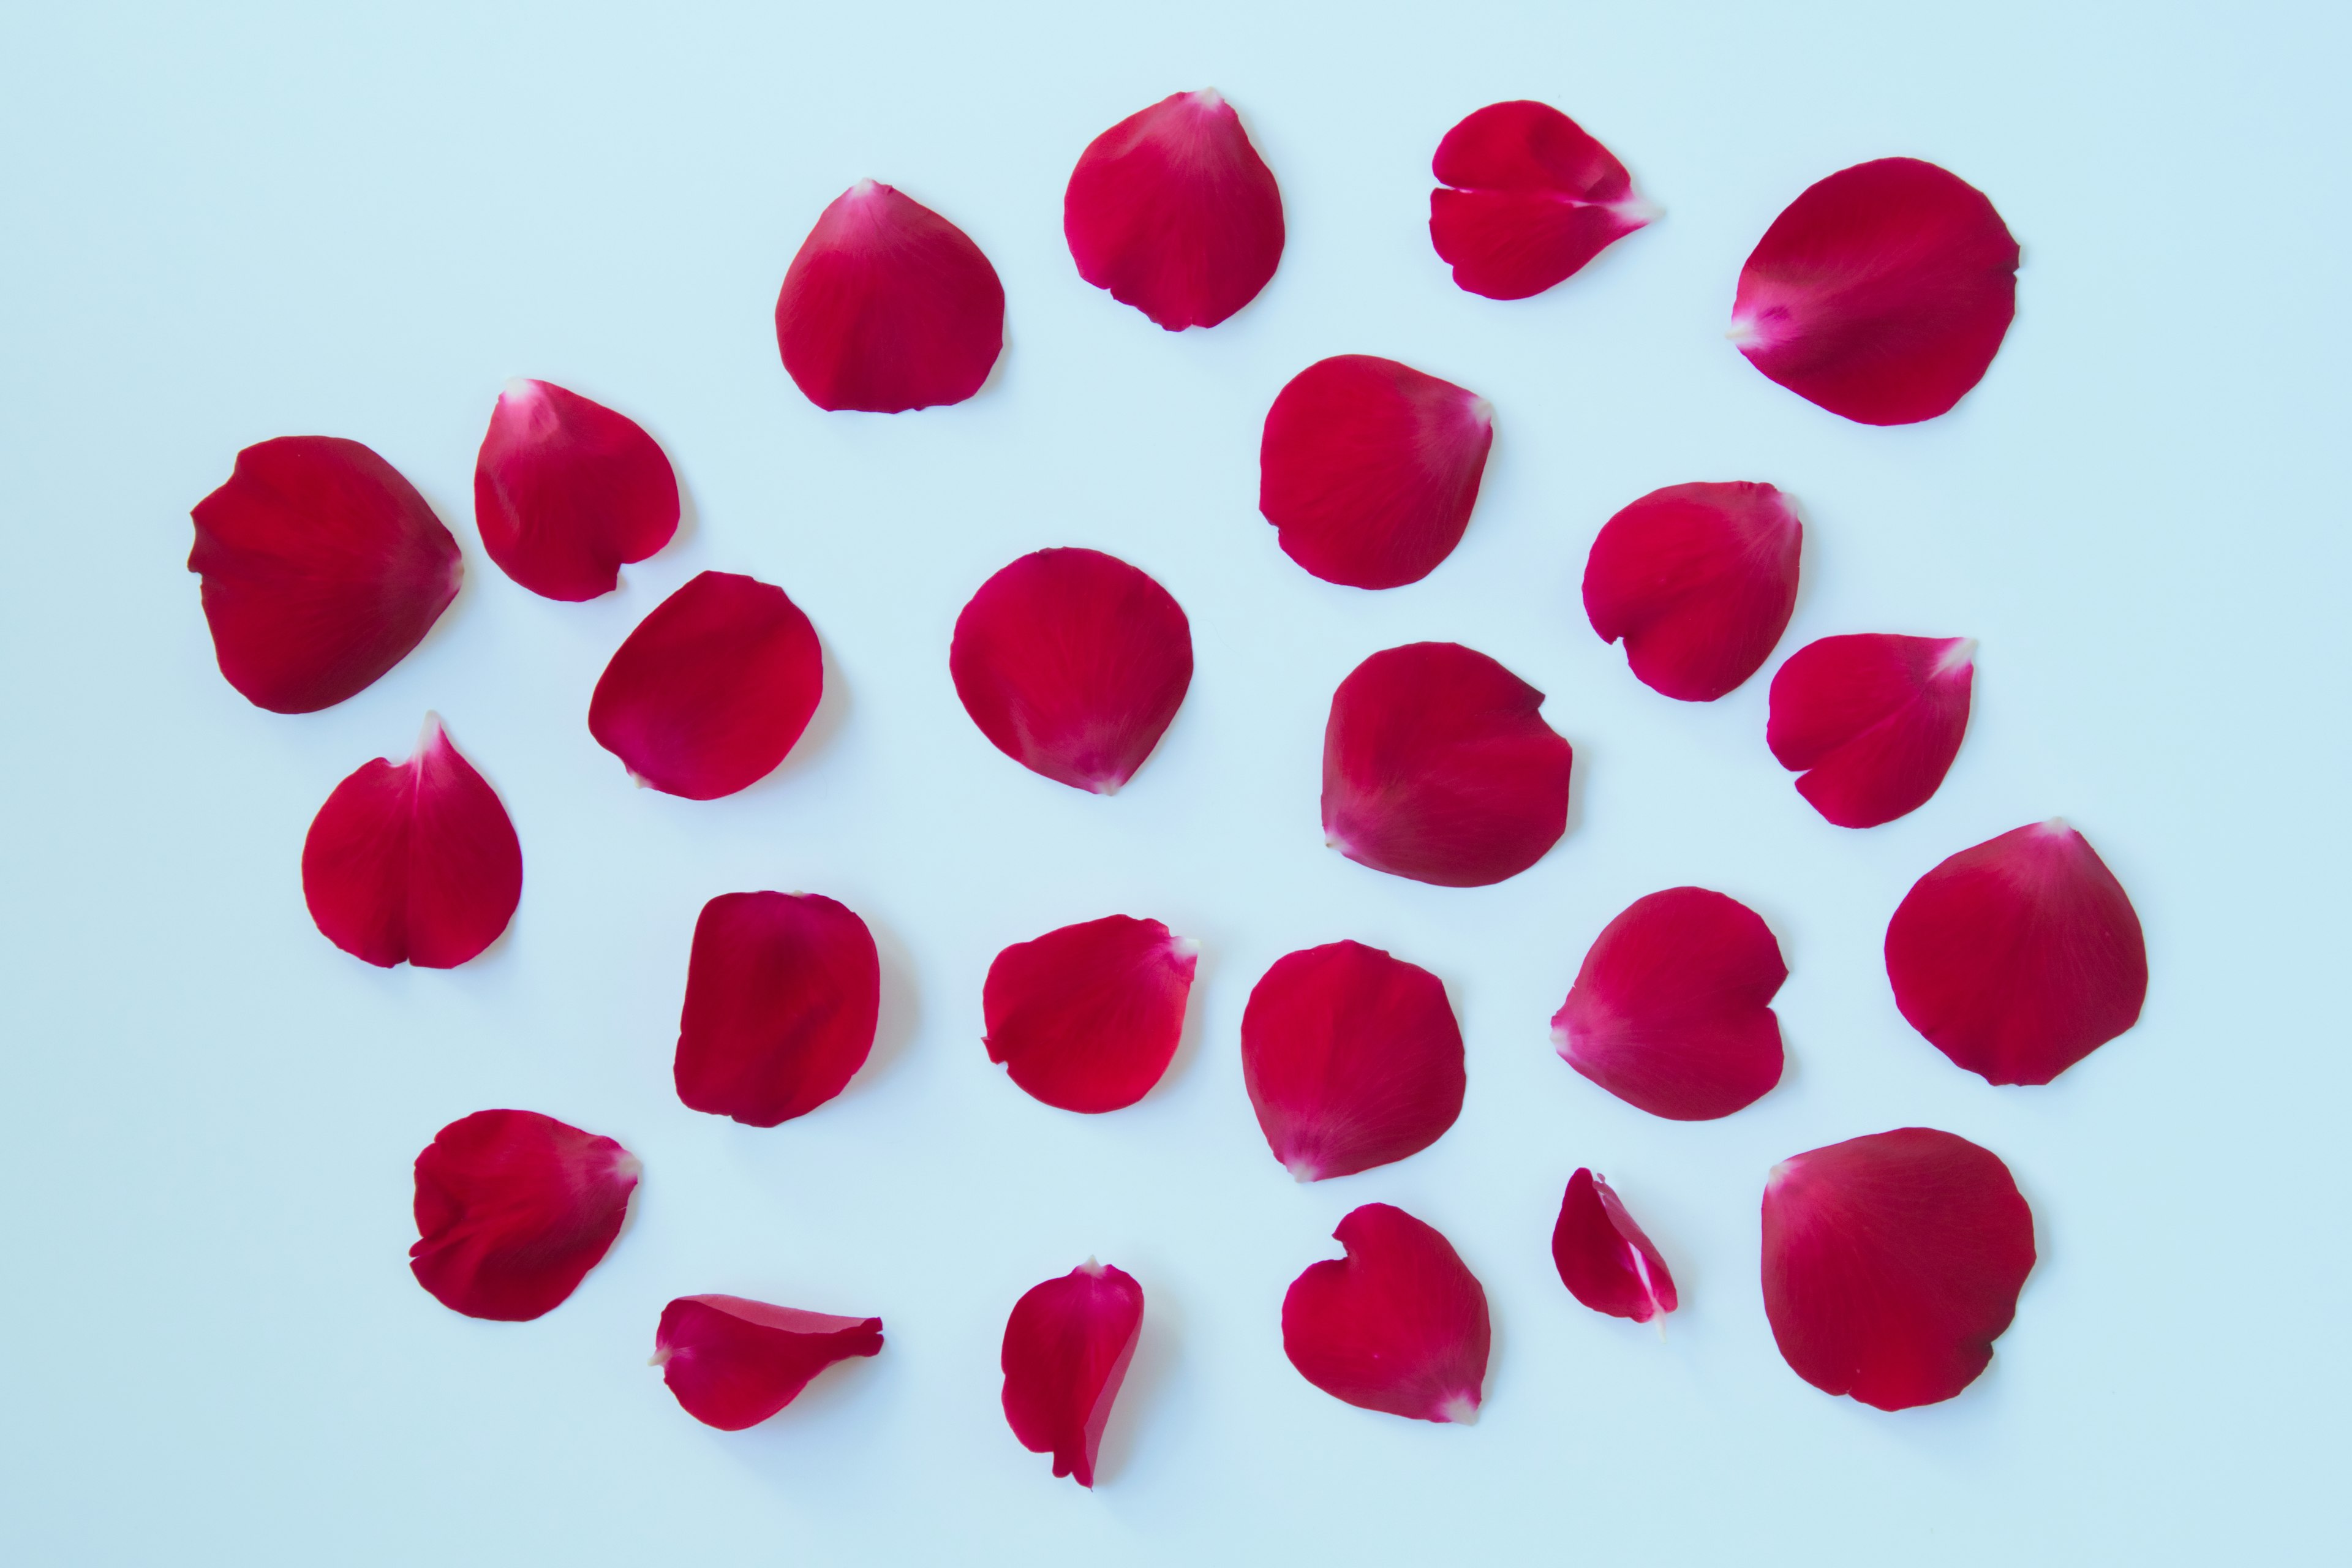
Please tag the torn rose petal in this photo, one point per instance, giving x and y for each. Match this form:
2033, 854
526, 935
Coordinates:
513, 1208
1871, 722
1699, 580
1088, 1017
783, 995
566, 492
1398, 1325
732, 1364
1535, 198
1066, 1346
1602, 1256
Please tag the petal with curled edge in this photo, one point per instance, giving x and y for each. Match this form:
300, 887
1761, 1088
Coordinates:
1398, 1325
1088, 1017
1698, 581
513, 1208
732, 1364
1533, 199
566, 492
1066, 1349
1602, 1256
1871, 722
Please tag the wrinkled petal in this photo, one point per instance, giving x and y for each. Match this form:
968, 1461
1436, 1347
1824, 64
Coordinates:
1882, 293
2020, 957
1088, 1017
513, 1208
1398, 1325
566, 492
322, 568
1871, 721
1437, 765
1066, 1346
1892, 1263
732, 1364
1602, 1256
1535, 198
783, 994
1699, 581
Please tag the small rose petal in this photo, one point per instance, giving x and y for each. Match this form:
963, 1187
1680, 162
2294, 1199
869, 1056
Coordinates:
1066, 1346
1398, 1325
1437, 765
709, 692
1881, 294
2020, 957
1088, 1017
1892, 1263
567, 493
1535, 199
513, 1208
887, 306
783, 994
1368, 470
732, 1364
322, 568
1871, 721
1699, 581
1602, 1256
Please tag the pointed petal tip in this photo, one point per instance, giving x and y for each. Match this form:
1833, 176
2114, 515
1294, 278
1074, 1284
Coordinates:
1462, 1410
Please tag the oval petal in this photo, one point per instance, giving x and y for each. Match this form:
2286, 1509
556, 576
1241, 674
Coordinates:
1088, 1017
566, 492
1699, 581
513, 1208
1066, 1348
1602, 1256
783, 995
732, 1364
1534, 199
1871, 721
1398, 1325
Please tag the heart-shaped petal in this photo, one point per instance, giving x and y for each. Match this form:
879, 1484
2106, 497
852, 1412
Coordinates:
1699, 581
1534, 199
1398, 1325
1873, 721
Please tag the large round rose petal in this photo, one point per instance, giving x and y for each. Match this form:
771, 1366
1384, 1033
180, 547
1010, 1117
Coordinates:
1066, 1346
1088, 1017
513, 1208
1398, 1325
1602, 1256
732, 1364
783, 994
566, 492
1535, 198
1871, 721
1699, 580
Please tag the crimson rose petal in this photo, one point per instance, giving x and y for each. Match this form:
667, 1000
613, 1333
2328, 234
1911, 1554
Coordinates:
1699, 580
732, 1364
1602, 1256
1535, 198
567, 493
1398, 1325
1088, 1017
783, 994
1066, 1347
513, 1208
1873, 722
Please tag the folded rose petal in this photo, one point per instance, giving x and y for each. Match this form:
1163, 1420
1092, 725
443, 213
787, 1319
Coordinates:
709, 692
1699, 581
513, 1208
1881, 294
1892, 1263
2020, 957
732, 1364
1871, 721
783, 994
887, 307
1437, 765
322, 568
1398, 1325
1602, 1256
1066, 1346
1088, 1017
1071, 663
1368, 470
1535, 198
567, 493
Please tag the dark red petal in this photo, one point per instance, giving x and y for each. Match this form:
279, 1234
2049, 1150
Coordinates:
1088, 1017
1882, 293
414, 862
1368, 469
1535, 199
783, 993
566, 492
1873, 721
1892, 1263
887, 307
1353, 1059
733, 1363
1671, 1012
711, 689
1602, 1256
1438, 767
1173, 211
321, 567
1066, 1346
1071, 663
2020, 957
1398, 1325
513, 1208
1699, 580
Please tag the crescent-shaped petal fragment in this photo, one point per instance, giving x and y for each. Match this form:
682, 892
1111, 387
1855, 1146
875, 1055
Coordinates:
1602, 1256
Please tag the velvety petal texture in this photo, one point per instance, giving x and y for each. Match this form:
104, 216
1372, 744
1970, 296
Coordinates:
1398, 1325
1088, 1017
1873, 721
566, 492
513, 1208
1698, 581
1602, 1256
732, 1364
1534, 199
1066, 1348
783, 994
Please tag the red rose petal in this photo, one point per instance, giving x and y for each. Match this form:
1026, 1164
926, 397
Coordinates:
1882, 293
513, 1208
1073, 663
1352, 1058
732, 1364
1437, 765
1602, 1256
566, 492
1871, 721
322, 568
783, 994
1699, 581
1088, 1017
2020, 957
709, 692
1066, 1346
1368, 470
1892, 1263
1536, 199
887, 306
1398, 1325
1172, 210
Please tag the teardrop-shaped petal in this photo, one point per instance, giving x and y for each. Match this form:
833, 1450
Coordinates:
783, 994
513, 1208
1699, 581
732, 1364
322, 568
710, 692
413, 862
1892, 1263
1671, 1012
1437, 765
1535, 198
1172, 210
1368, 470
1871, 721
1882, 293
1352, 1058
887, 306
566, 492
1066, 1346
1602, 1256
1071, 662
1398, 1325
2020, 957
1088, 1017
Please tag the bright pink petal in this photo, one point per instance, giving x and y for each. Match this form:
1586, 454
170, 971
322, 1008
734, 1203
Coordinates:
1398, 1325
567, 493
1437, 765
732, 1364
783, 994
1088, 1017
322, 568
1073, 663
1066, 1346
1535, 199
2020, 957
1368, 470
513, 1208
1671, 1012
1892, 1263
1699, 581
1602, 1256
1173, 211
711, 689
1353, 1059
1881, 294
887, 307
1871, 721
